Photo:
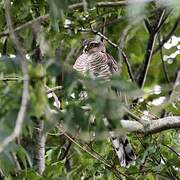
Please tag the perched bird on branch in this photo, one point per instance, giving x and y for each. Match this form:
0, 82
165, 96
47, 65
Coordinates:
97, 63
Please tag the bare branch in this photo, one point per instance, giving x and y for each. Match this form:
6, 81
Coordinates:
142, 73
39, 20
153, 126
25, 92
28, 24
121, 3
141, 76
128, 65
162, 19
146, 22
58, 104
43, 18
176, 25
50, 90
15, 159
172, 149
110, 4
75, 6
124, 35
163, 63
10, 79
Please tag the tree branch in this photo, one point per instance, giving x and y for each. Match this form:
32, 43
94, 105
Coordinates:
25, 92
10, 79
39, 139
153, 126
56, 100
50, 90
43, 18
110, 4
163, 63
153, 30
172, 149
141, 76
176, 25
28, 24
15, 159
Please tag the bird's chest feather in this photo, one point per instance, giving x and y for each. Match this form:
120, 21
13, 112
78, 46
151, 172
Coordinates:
98, 65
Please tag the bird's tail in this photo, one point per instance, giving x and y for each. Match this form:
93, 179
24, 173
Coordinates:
122, 147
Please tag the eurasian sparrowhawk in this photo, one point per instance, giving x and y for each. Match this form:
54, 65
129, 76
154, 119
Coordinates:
96, 62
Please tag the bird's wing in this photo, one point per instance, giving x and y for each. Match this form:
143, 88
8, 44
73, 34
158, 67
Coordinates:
81, 63
112, 63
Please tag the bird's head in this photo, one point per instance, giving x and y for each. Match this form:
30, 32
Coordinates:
92, 46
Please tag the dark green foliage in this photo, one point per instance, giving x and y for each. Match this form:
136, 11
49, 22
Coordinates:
59, 41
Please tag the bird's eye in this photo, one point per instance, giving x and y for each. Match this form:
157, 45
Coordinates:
93, 45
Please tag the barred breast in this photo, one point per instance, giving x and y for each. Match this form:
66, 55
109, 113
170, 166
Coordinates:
97, 65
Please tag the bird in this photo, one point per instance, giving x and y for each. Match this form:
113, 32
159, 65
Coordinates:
97, 63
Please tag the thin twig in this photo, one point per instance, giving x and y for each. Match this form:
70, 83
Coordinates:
163, 63
121, 3
58, 104
154, 159
25, 92
56, 88
176, 25
11, 79
28, 24
82, 147
124, 35
15, 159
169, 169
103, 27
49, 90
111, 4
128, 65
112, 166
132, 115
109, 166
43, 18
99, 155
170, 148
142, 74
163, 18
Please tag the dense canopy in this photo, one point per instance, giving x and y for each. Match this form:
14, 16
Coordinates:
46, 107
